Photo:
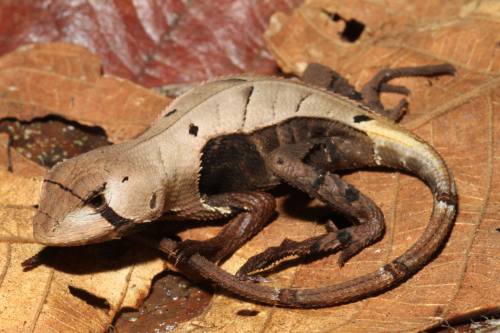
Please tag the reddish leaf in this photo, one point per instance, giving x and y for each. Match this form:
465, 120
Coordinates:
152, 42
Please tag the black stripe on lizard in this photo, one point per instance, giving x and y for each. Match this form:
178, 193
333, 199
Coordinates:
114, 218
63, 187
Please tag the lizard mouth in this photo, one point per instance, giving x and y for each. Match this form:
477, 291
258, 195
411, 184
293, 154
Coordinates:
78, 228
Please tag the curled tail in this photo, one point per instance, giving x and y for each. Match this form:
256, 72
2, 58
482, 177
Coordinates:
410, 154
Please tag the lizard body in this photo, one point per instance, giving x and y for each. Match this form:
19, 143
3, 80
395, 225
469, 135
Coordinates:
218, 144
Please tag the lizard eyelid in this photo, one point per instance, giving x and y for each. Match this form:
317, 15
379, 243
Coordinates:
96, 201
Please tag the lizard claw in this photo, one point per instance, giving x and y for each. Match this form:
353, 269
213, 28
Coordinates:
330, 226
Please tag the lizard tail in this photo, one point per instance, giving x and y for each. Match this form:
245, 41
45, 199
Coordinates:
419, 159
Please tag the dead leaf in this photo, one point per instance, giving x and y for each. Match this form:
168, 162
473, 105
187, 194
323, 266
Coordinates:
56, 81
34, 301
63, 59
151, 42
65, 80
457, 115
24, 167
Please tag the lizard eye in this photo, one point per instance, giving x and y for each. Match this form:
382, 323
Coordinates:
97, 201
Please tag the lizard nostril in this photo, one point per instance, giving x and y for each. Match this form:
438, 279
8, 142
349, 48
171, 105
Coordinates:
43, 226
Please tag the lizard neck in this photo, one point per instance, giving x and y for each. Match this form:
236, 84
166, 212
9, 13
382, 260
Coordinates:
174, 168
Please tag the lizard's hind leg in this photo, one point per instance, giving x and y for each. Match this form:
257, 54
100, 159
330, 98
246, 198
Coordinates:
287, 163
324, 77
372, 89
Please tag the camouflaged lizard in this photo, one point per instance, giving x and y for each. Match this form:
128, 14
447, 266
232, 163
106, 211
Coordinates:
220, 146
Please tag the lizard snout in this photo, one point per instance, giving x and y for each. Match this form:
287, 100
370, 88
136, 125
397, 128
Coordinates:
74, 229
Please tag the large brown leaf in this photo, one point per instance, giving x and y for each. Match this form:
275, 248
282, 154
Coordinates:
457, 115
64, 79
152, 42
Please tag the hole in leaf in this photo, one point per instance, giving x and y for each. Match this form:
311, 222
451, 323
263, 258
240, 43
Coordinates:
172, 300
48, 140
353, 28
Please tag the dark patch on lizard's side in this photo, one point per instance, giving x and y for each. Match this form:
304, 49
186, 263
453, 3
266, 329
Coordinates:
64, 188
236, 162
361, 118
231, 163
193, 129
125, 179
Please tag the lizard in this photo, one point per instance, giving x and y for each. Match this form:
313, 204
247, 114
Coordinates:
217, 149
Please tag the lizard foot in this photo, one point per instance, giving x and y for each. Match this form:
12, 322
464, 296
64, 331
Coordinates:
348, 241
286, 249
379, 83
324, 77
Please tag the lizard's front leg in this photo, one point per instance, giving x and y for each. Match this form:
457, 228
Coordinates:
286, 162
253, 209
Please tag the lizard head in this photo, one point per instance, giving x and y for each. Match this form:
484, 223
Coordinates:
92, 198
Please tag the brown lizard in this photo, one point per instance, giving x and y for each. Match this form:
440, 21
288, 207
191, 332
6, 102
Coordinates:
218, 147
